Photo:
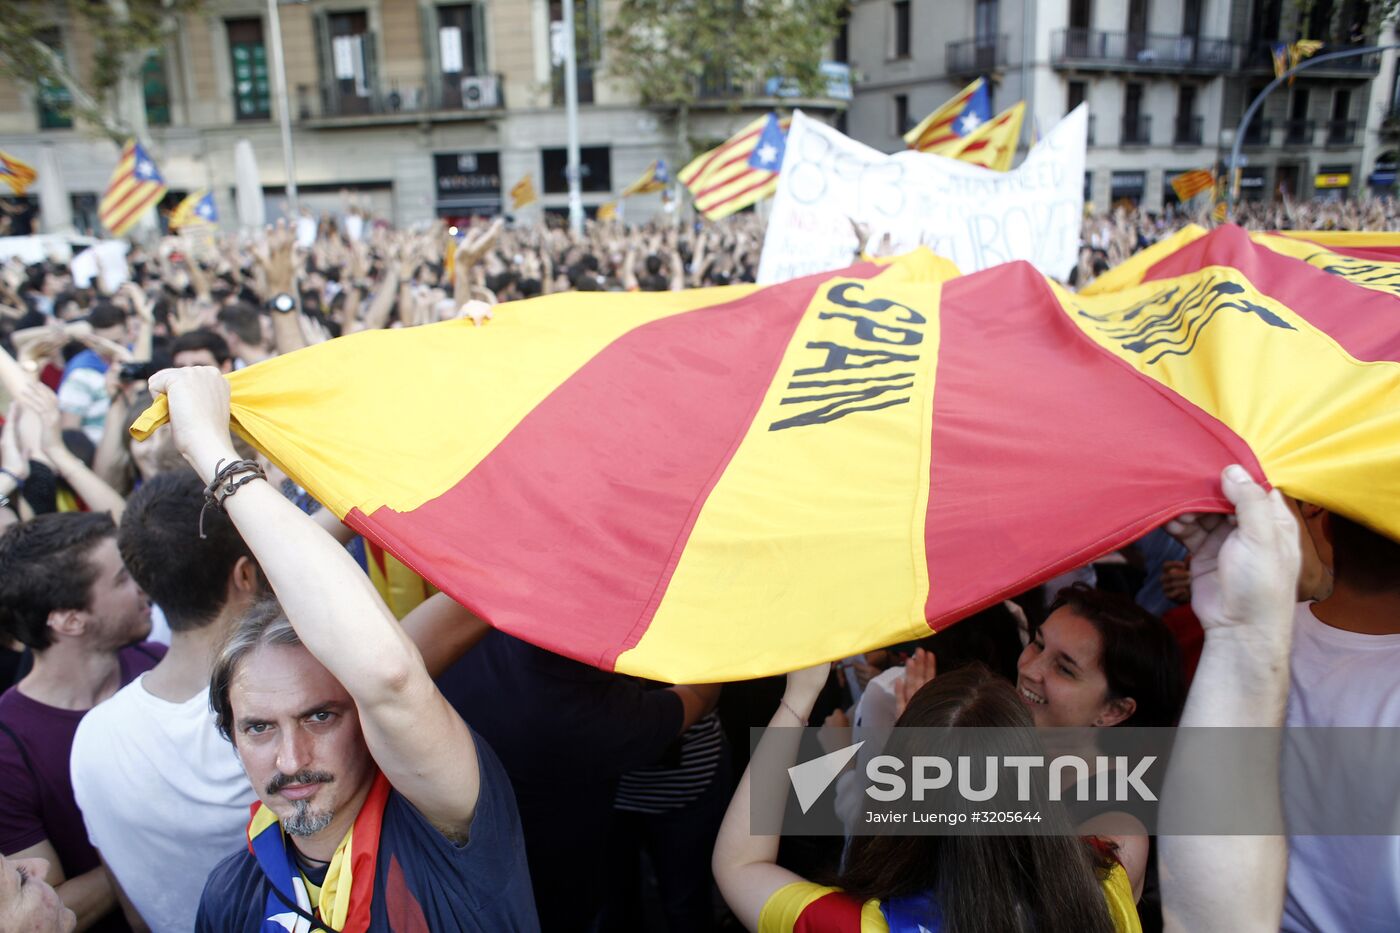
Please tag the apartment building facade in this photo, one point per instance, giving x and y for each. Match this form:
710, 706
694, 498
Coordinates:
1165, 82
419, 108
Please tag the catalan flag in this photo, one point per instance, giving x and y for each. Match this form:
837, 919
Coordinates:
993, 144
948, 125
16, 173
723, 181
607, 210
717, 484
135, 188
1189, 184
196, 211
655, 178
523, 193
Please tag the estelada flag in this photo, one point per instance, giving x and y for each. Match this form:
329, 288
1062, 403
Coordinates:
134, 188
717, 484
655, 178
196, 211
723, 181
962, 114
993, 144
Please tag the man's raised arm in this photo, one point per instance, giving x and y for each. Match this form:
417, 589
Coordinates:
418, 741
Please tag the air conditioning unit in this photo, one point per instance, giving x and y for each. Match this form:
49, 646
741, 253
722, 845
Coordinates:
481, 92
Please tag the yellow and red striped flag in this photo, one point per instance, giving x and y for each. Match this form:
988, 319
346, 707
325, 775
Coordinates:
523, 193
135, 188
722, 181
607, 210
196, 212
947, 126
1189, 184
993, 144
759, 479
16, 173
655, 178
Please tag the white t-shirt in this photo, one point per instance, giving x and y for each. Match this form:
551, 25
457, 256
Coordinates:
163, 796
1337, 883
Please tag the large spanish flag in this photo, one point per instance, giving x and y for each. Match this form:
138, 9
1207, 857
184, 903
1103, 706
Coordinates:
717, 484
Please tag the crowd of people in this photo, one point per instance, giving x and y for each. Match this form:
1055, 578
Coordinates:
187, 637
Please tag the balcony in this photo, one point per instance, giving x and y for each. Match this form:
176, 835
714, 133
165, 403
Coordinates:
444, 98
1140, 52
1136, 131
1258, 134
1299, 132
1188, 130
1260, 57
1341, 132
977, 56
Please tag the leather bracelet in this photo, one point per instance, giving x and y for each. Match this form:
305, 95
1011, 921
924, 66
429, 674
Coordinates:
222, 474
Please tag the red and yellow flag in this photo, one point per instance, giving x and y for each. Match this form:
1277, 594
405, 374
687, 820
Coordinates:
993, 144
134, 188
949, 124
523, 193
717, 484
722, 181
1189, 184
16, 173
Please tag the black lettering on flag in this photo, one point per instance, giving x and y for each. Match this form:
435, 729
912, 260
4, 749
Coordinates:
839, 357
838, 296
839, 405
866, 329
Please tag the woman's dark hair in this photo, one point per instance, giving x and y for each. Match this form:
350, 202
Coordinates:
1141, 658
1046, 883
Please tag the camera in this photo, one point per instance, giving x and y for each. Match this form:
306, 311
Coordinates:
137, 372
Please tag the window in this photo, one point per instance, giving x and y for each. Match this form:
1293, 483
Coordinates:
156, 90
347, 63
1188, 125
1076, 95
248, 55
1341, 104
461, 50
588, 45
985, 15
1191, 19
1341, 131
1080, 13
1135, 122
841, 45
901, 114
55, 102
595, 169
901, 28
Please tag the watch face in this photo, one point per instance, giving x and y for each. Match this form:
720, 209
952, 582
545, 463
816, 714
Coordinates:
283, 302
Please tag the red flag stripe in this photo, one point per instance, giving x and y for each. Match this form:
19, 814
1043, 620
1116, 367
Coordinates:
747, 189
719, 152
696, 415
999, 398
152, 196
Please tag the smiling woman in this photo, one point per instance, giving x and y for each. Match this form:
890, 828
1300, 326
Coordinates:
1100, 660
27, 903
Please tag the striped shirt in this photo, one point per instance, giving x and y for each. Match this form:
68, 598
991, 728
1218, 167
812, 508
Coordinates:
671, 785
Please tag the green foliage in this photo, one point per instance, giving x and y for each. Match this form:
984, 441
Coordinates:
123, 32
675, 51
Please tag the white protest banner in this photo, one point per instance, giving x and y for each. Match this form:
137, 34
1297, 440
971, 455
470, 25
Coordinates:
972, 215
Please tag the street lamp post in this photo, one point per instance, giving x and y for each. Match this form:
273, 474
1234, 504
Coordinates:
571, 119
279, 83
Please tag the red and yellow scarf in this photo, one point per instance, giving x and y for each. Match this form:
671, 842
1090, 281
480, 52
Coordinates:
343, 902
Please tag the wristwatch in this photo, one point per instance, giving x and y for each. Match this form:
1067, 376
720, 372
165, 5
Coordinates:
282, 303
